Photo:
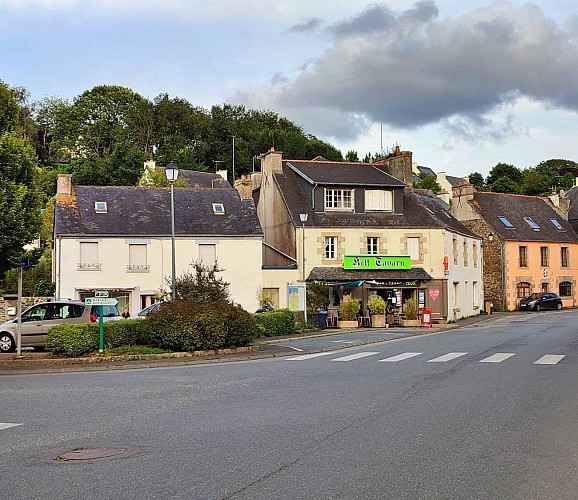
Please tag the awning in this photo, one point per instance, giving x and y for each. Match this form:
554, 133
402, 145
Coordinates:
338, 275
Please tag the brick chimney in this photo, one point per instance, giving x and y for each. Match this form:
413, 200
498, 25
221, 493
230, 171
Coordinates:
399, 165
64, 185
461, 209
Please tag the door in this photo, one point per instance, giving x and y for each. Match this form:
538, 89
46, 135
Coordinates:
33, 325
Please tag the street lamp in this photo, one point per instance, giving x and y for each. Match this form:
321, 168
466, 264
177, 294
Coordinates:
172, 173
303, 216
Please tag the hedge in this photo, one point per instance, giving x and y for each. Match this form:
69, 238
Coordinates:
276, 323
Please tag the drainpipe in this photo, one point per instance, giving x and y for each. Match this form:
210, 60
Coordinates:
504, 302
59, 266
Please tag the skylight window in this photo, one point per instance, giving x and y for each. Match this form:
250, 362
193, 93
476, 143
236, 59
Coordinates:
218, 209
532, 224
557, 225
100, 207
505, 221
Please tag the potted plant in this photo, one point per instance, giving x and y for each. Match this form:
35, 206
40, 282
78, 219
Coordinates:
348, 310
377, 307
410, 314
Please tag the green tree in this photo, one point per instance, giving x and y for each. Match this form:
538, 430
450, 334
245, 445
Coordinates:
504, 170
45, 112
477, 180
19, 198
505, 185
202, 285
427, 182
352, 156
9, 109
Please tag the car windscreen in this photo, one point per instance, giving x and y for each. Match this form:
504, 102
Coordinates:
107, 311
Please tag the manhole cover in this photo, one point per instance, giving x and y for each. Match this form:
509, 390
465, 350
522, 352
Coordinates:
92, 453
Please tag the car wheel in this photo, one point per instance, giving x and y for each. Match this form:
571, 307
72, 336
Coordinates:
538, 307
558, 306
6, 343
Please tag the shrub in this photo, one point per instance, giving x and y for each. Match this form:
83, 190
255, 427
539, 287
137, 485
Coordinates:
184, 326
71, 340
376, 304
120, 333
276, 323
348, 309
410, 309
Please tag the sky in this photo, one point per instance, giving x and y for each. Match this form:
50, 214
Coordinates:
463, 84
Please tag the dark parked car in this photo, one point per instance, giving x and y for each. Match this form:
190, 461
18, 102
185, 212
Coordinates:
539, 301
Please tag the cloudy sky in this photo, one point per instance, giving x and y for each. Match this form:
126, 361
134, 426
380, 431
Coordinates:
463, 84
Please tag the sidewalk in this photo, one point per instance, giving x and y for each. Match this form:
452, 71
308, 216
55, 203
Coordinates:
265, 347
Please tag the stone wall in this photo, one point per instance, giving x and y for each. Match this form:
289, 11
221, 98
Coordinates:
10, 302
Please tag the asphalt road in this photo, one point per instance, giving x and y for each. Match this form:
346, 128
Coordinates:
479, 412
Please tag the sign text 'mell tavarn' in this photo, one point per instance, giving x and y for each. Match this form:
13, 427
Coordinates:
376, 262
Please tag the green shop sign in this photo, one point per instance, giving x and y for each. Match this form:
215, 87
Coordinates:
376, 262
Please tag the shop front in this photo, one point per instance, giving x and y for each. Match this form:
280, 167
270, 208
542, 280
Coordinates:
392, 278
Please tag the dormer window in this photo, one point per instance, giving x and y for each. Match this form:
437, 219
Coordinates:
505, 221
339, 199
532, 224
218, 209
100, 207
378, 200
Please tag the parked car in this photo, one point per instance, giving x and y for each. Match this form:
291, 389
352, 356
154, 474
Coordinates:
38, 319
147, 310
539, 301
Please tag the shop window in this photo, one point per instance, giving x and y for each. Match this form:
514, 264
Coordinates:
523, 256
331, 247
565, 289
564, 261
522, 290
372, 245
544, 256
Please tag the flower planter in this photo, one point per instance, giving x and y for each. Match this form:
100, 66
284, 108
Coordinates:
347, 324
410, 322
378, 320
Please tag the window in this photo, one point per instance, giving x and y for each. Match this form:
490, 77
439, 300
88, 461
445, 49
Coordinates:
523, 256
88, 256
475, 254
331, 247
36, 313
137, 258
65, 311
455, 250
218, 209
378, 200
522, 290
564, 257
532, 224
557, 225
505, 221
544, 256
565, 289
338, 199
465, 254
100, 207
413, 248
207, 254
372, 245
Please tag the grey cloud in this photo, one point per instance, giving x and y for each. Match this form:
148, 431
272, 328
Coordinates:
305, 27
412, 69
475, 129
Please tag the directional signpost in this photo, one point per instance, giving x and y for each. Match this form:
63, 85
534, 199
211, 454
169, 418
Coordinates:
101, 301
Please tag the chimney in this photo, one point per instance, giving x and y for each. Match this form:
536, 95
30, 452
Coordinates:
271, 161
399, 165
222, 173
461, 209
64, 185
244, 187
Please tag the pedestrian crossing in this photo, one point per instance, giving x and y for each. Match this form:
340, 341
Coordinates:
499, 357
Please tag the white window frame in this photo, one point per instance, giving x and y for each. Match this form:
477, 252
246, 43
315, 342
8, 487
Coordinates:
138, 257
372, 245
378, 200
412, 248
331, 247
88, 256
339, 199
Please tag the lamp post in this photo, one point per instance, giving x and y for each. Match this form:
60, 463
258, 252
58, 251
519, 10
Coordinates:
172, 173
303, 216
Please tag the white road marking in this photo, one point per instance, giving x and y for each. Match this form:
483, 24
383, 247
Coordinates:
7, 426
342, 341
550, 359
498, 357
294, 348
359, 355
309, 356
447, 357
400, 357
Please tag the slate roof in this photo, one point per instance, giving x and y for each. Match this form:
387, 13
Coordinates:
136, 211
201, 179
572, 195
455, 181
343, 173
340, 274
515, 207
426, 170
415, 211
